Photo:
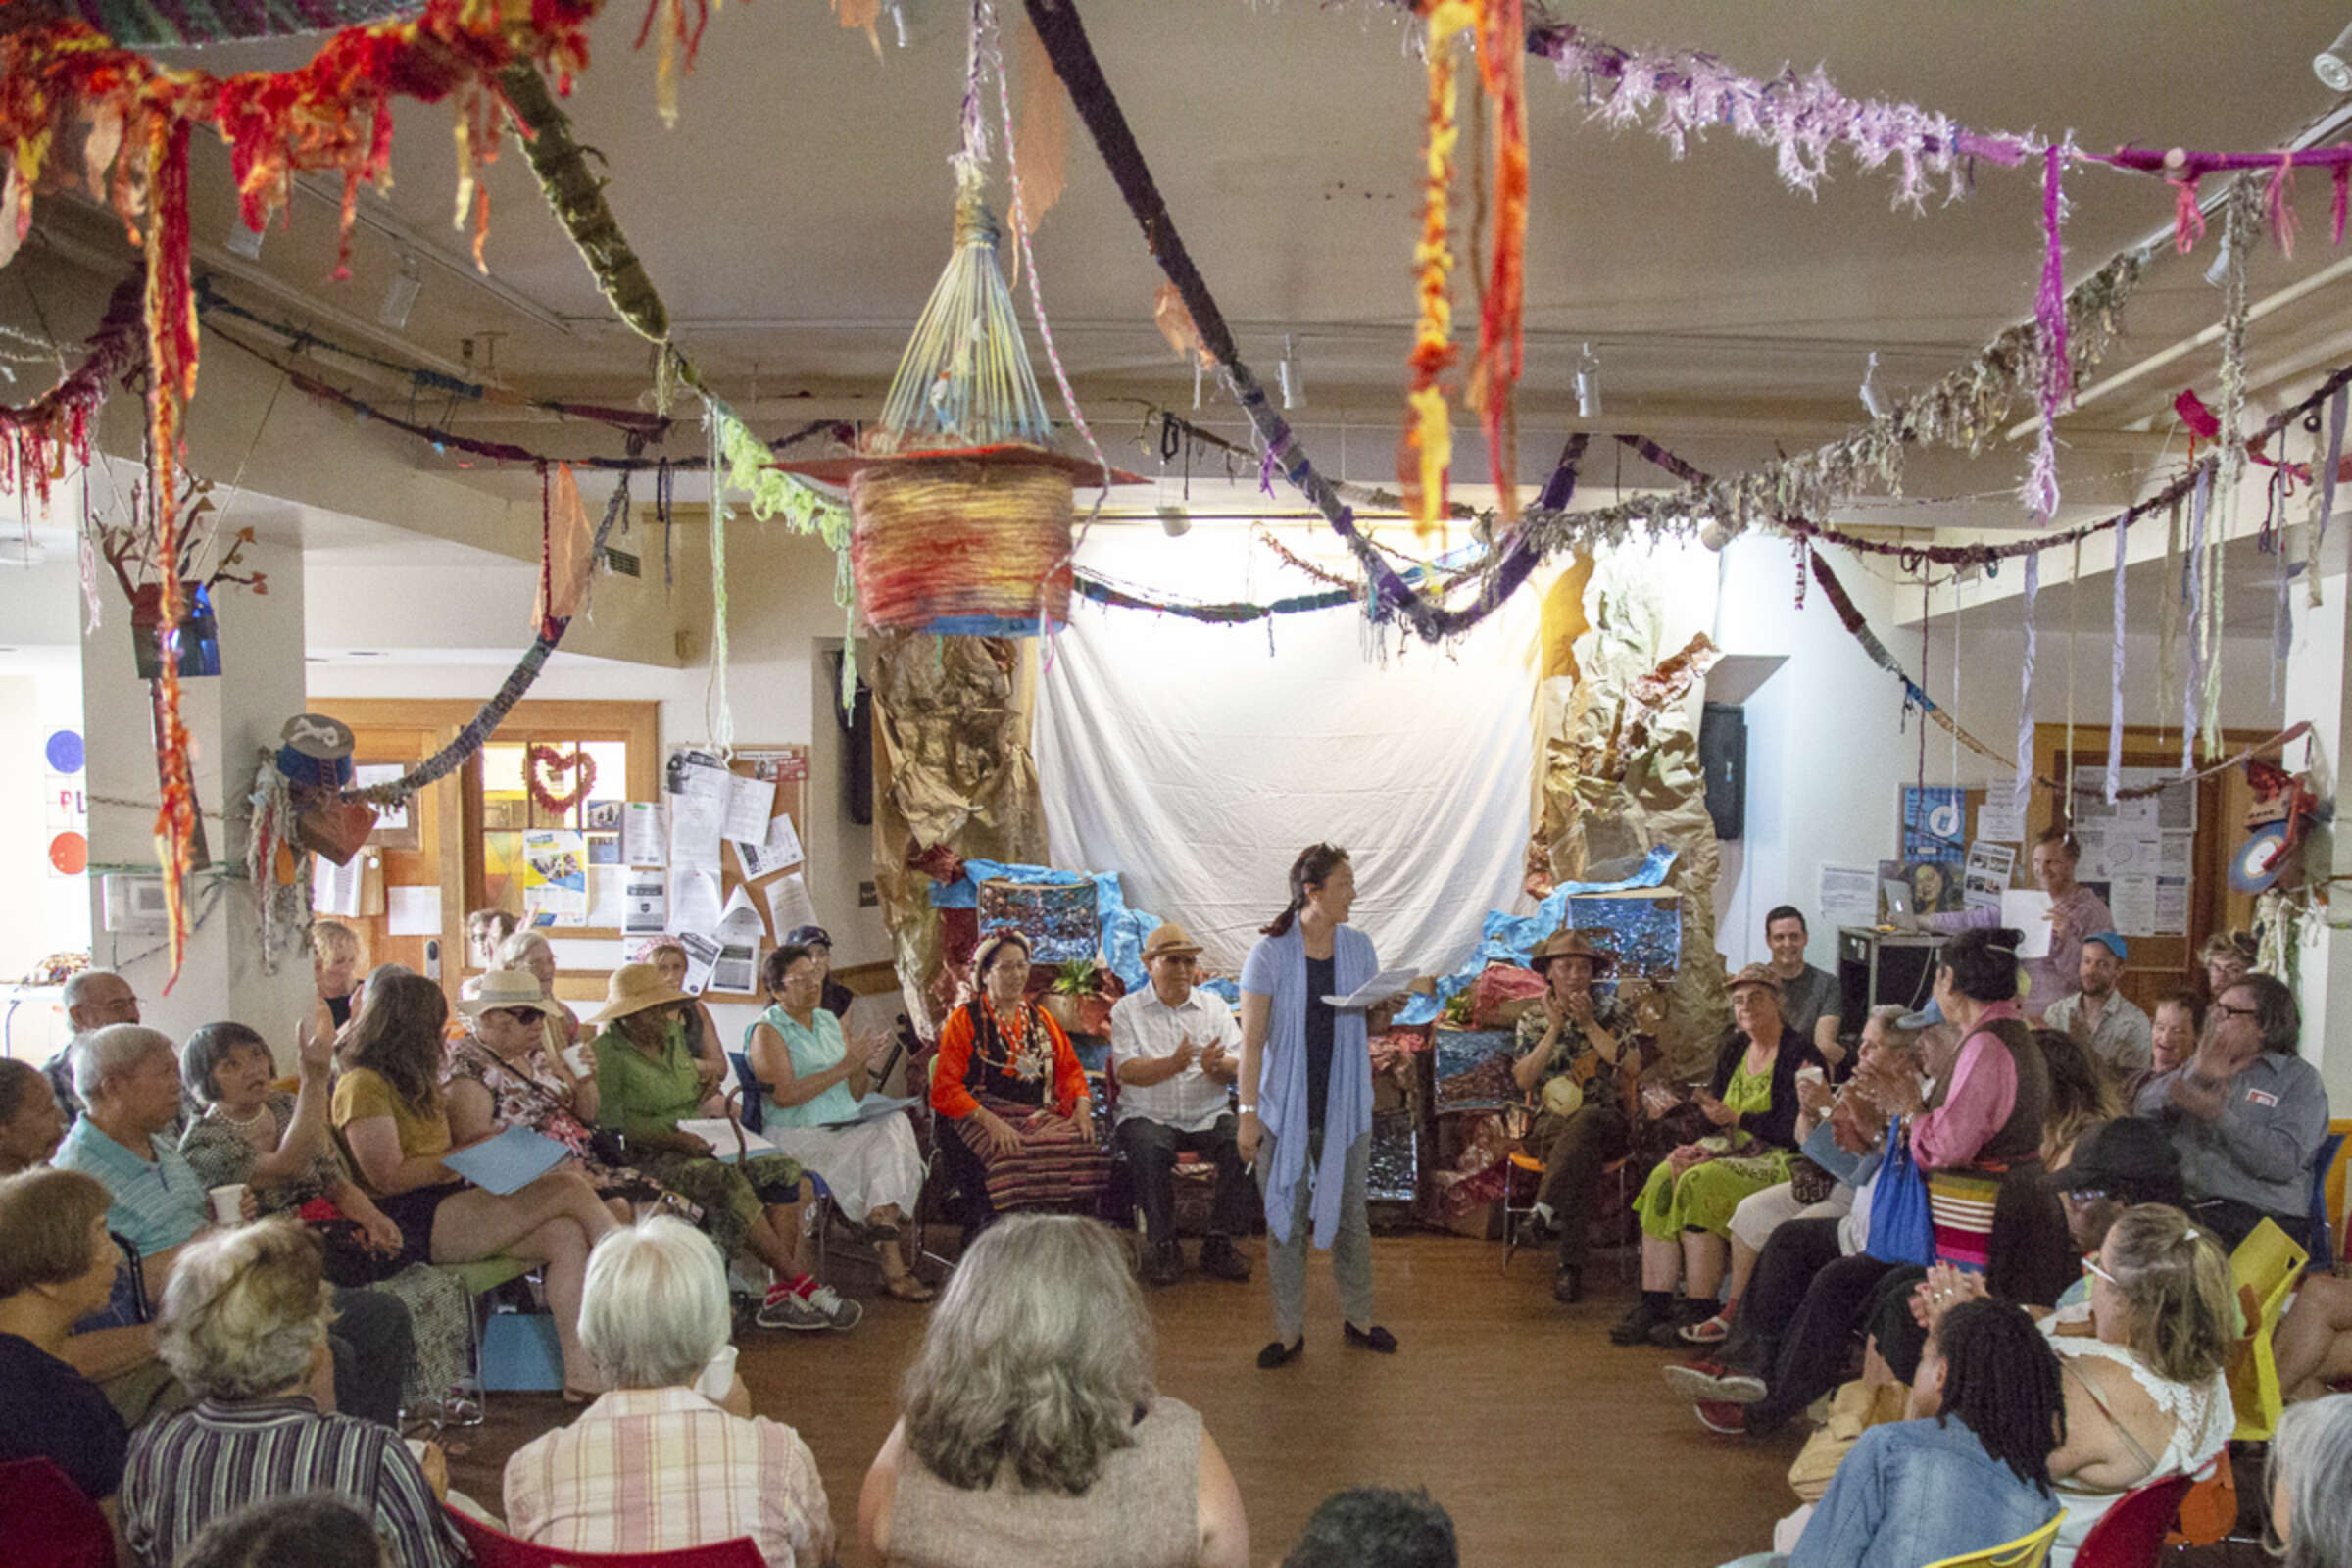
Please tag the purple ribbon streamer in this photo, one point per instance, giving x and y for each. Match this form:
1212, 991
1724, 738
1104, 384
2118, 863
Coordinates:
2025, 695
2335, 458
2049, 317
2115, 720
2194, 593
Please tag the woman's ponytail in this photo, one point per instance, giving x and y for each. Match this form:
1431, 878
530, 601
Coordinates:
1311, 870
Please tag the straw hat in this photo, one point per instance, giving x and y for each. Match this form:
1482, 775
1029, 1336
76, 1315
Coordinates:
503, 989
1755, 974
1169, 937
1568, 945
633, 988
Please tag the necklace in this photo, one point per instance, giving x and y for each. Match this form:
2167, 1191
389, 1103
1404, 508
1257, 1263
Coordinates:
244, 1126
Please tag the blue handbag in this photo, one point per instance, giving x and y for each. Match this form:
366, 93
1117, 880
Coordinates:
1901, 1230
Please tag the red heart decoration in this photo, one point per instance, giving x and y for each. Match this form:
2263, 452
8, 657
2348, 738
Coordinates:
539, 760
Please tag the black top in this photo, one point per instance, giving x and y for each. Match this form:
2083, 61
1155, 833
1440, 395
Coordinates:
1321, 982
339, 1008
836, 997
50, 1411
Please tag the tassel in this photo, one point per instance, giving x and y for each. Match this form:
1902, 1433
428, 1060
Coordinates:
171, 318
2025, 696
2049, 316
2188, 214
2343, 189
2194, 564
862, 14
2281, 201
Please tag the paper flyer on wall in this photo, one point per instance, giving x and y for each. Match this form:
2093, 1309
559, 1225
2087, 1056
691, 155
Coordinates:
1991, 869
695, 901
739, 934
1998, 822
642, 839
789, 903
1849, 894
555, 875
698, 809
780, 848
644, 905
413, 912
702, 953
2131, 900
750, 801
606, 901
335, 889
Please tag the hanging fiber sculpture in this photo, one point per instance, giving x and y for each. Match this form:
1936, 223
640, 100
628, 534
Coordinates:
37, 438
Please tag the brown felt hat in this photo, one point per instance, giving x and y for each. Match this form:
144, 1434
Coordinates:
1755, 974
1169, 937
1568, 945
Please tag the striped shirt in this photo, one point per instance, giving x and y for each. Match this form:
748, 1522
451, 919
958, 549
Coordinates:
156, 1202
658, 1469
194, 1467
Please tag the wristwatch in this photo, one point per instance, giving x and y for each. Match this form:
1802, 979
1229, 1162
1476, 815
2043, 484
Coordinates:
1247, 1110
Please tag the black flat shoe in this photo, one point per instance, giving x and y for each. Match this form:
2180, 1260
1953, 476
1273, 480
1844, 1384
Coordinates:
1276, 1353
1374, 1338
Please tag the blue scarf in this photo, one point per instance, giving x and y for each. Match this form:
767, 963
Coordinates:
1277, 969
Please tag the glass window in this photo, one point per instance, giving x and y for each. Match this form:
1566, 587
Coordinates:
509, 812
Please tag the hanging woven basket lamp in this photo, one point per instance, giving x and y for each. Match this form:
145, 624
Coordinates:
961, 509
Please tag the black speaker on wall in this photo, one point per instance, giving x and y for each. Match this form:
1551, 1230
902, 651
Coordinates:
1722, 759
857, 747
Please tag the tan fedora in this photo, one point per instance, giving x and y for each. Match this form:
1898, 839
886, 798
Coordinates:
1167, 939
1755, 974
1568, 945
502, 989
633, 988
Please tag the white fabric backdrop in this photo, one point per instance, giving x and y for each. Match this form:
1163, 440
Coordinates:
1196, 763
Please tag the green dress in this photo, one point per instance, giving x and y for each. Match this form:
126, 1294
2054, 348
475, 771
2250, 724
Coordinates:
1703, 1197
638, 1094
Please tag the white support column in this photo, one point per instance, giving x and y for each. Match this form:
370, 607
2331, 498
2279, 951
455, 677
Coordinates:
2317, 690
229, 720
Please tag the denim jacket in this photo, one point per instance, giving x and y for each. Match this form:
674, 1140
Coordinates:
1916, 1492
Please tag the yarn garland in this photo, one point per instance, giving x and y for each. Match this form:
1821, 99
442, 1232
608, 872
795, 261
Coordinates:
2025, 695
541, 761
36, 438
1425, 448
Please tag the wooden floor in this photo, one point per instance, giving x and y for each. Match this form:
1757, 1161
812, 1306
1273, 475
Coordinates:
1546, 1442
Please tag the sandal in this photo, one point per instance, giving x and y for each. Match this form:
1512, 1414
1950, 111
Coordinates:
906, 1288
1713, 1331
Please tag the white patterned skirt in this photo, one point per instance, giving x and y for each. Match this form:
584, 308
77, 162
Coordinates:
872, 1166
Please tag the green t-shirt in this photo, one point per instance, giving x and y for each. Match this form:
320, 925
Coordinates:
637, 1094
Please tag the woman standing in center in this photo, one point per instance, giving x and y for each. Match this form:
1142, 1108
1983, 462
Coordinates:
1307, 1093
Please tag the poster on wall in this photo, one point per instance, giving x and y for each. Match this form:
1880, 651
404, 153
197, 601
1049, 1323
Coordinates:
1848, 896
1990, 869
555, 877
1934, 822
2137, 854
1936, 886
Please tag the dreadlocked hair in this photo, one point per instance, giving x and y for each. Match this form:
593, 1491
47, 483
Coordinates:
1313, 867
2002, 1382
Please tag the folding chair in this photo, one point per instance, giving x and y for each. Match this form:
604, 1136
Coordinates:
2131, 1533
492, 1548
2025, 1551
45, 1521
480, 1278
2264, 1268
2323, 1224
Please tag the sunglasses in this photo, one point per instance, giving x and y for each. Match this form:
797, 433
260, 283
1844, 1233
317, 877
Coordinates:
514, 1014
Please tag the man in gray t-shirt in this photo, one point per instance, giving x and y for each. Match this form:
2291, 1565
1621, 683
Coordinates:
1810, 1002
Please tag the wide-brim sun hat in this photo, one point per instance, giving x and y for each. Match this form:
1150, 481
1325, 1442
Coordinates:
1568, 945
633, 988
504, 989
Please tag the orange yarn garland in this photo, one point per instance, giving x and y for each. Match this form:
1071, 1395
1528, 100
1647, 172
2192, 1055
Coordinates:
1428, 446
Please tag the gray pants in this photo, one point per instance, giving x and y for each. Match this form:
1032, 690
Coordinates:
1351, 1248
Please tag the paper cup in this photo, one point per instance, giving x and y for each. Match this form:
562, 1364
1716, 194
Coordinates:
718, 1376
229, 1203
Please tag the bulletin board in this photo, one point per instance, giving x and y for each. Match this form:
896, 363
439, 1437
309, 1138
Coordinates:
787, 766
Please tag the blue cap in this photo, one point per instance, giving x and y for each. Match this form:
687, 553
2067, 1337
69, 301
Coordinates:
2113, 942
1925, 1017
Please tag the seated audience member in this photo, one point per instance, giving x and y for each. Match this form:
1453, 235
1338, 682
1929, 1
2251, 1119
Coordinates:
485, 929
278, 1146
1033, 1432
1976, 1135
31, 1122
654, 1464
2313, 1343
57, 1267
834, 996
1015, 1122
2081, 1096
813, 1082
316, 1529
647, 1082
1809, 998
94, 998
668, 956
2100, 1018
499, 1074
2309, 1479
1176, 1049
2173, 1033
2076, 915
2248, 1114
1572, 1040
244, 1323
1375, 1527
531, 952
2229, 956
389, 1105
2117, 1166
1686, 1207
335, 959
1762, 1215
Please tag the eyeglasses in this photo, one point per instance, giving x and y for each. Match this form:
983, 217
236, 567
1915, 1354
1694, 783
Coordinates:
2086, 1195
2092, 1269
2228, 1012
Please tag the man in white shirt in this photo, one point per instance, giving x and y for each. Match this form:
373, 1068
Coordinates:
2102, 1019
1175, 1048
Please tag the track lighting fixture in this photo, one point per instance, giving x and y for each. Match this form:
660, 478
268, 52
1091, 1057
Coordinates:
400, 295
2333, 64
1588, 385
1292, 376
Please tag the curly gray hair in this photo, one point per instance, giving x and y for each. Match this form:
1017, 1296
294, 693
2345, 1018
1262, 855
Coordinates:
246, 1311
654, 1310
1037, 1358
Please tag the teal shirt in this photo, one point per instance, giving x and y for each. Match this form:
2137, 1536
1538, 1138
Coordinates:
637, 1094
812, 1051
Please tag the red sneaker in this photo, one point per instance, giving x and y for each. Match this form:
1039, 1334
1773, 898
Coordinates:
1718, 1415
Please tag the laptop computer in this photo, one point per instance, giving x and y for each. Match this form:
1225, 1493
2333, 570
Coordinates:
1897, 894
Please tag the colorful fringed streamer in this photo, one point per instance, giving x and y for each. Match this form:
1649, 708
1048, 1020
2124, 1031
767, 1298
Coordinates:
170, 320
2239, 234
2049, 319
719, 717
566, 551
2024, 695
1427, 450
36, 438
2330, 470
2114, 678
1501, 351
2194, 566
1914, 695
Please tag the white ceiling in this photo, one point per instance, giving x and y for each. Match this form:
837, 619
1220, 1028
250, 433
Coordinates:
798, 216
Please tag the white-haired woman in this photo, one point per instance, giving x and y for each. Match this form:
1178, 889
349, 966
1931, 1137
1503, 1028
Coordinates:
1032, 1431
531, 952
2311, 1484
243, 1323
654, 1464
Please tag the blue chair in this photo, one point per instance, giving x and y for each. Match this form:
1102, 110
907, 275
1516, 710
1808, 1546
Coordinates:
2323, 1224
752, 1107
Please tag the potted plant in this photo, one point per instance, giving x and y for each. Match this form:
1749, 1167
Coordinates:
1074, 984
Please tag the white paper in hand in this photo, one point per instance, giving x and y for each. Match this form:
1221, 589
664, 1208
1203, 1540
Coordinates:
2029, 910
1375, 991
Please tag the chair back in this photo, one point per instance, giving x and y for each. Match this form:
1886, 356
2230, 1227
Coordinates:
2264, 1268
2131, 1533
2323, 1224
753, 1108
45, 1521
2025, 1551
492, 1548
